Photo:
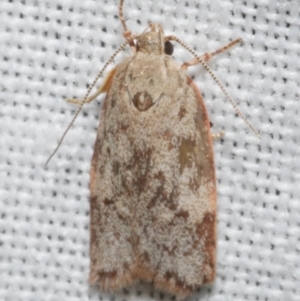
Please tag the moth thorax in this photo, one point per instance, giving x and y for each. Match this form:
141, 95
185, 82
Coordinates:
151, 42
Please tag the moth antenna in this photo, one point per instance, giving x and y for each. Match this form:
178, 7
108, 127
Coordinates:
212, 74
85, 98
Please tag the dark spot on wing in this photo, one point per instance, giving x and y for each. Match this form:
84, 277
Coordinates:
142, 101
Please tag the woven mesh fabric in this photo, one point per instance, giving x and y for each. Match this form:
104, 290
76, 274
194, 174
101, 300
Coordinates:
51, 50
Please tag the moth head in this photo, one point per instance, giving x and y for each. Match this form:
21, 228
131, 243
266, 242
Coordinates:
152, 40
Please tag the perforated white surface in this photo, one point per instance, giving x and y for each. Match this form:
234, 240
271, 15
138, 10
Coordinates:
51, 50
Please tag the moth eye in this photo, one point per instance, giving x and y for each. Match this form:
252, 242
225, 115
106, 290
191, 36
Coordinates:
169, 48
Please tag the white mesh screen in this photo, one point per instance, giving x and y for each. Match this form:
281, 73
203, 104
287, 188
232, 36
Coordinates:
51, 50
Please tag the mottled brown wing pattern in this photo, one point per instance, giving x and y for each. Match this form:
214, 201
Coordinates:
153, 190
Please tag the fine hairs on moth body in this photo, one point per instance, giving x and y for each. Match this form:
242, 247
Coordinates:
153, 186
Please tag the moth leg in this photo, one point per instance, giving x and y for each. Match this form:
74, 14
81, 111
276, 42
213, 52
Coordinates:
102, 89
218, 135
129, 37
77, 101
208, 55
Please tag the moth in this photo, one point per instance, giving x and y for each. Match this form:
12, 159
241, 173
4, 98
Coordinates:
153, 185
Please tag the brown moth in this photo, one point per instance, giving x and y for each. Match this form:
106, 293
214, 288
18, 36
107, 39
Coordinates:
153, 185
